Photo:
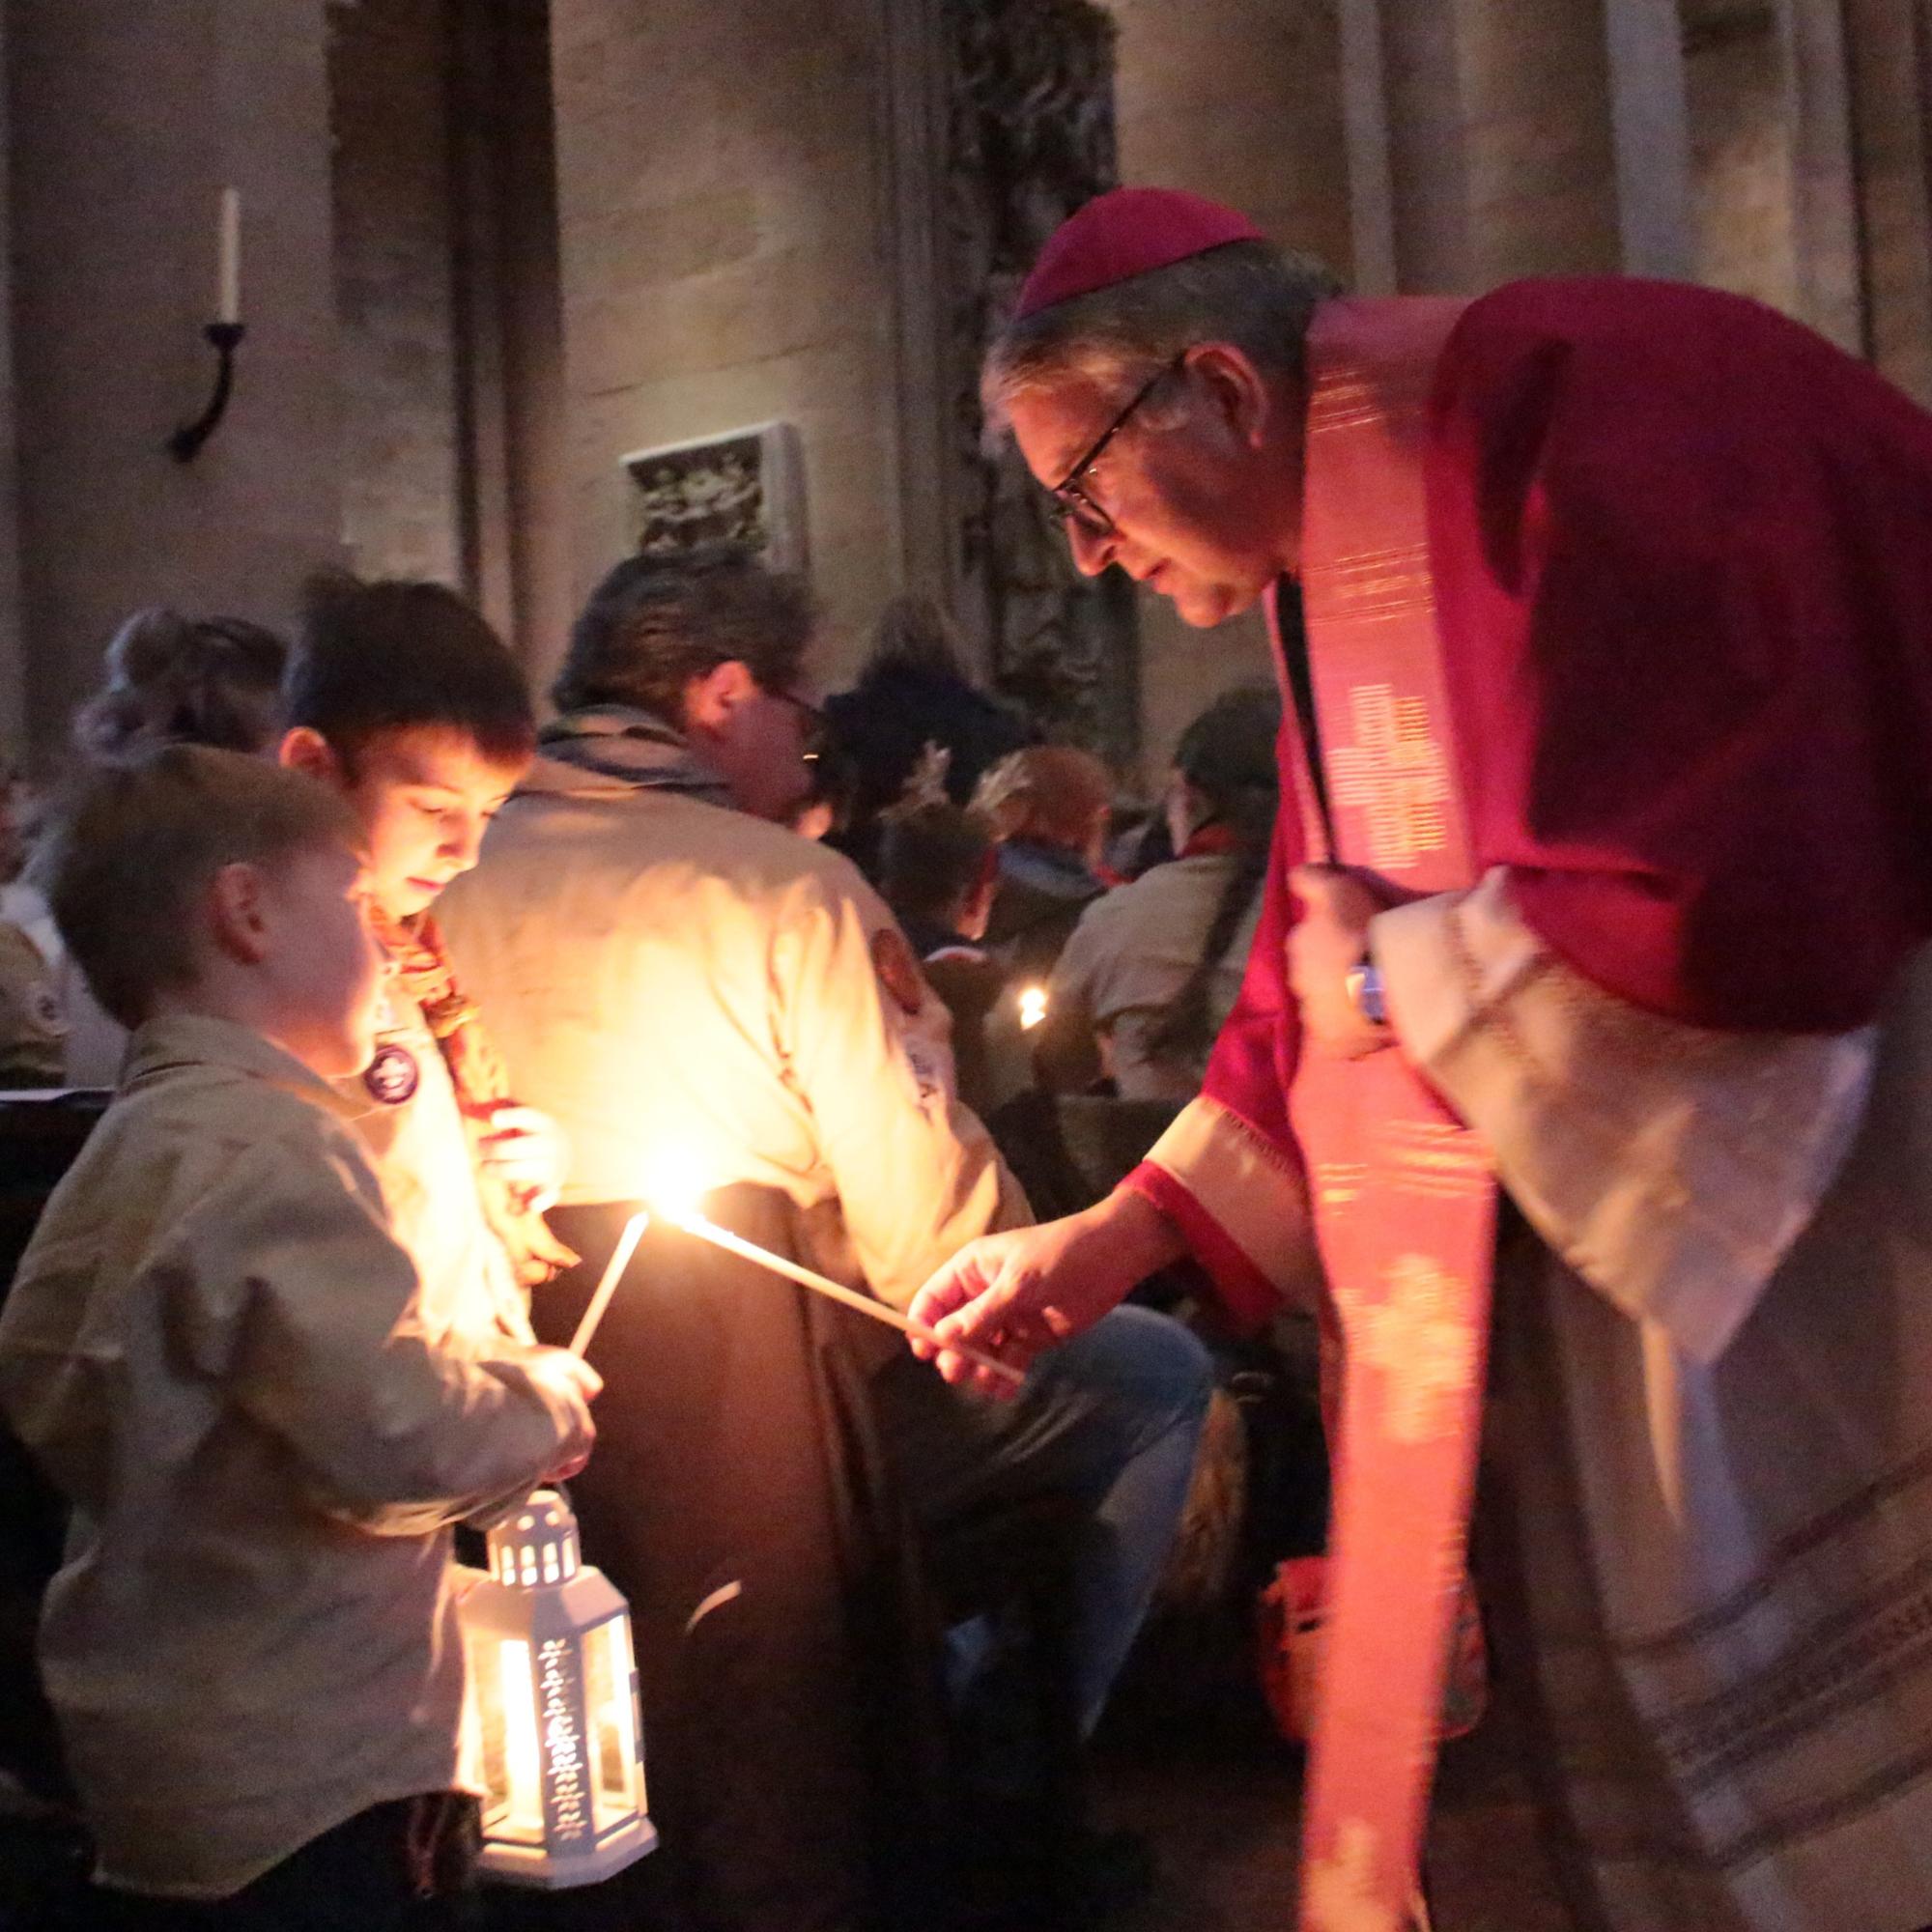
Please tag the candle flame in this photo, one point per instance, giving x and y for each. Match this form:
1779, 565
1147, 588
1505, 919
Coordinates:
1032, 1006
675, 1188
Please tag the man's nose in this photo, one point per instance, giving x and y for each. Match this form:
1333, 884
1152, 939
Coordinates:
1092, 551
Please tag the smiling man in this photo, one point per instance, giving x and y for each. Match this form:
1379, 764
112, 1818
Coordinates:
1596, 915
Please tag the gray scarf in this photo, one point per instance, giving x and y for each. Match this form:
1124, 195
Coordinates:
637, 747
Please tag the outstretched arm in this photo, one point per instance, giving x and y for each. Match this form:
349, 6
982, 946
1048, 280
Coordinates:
1019, 1292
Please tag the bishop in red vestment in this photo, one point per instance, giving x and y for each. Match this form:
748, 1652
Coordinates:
1588, 1021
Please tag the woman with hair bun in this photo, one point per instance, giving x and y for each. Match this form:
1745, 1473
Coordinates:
175, 680
171, 680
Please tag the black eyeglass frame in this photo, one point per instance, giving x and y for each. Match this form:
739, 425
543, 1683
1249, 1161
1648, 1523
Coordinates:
1071, 501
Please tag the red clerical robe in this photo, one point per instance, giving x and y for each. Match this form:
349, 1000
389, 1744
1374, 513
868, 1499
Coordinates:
1619, 609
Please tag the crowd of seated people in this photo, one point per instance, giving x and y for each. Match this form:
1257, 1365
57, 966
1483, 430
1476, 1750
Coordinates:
646, 949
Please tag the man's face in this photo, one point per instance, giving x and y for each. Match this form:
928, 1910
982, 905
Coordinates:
758, 741
1196, 514
322, 958
425, 796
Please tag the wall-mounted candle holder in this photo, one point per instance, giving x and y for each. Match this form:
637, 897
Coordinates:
225, 337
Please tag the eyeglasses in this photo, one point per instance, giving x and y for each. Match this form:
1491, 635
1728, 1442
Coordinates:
814, 729
1072, 502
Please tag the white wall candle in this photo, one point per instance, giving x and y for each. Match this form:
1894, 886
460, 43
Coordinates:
228, 272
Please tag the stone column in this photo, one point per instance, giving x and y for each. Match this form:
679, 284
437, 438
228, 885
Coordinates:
127, 123
1651, 119
1243, 100
12, 669
1824, 191
1890, 90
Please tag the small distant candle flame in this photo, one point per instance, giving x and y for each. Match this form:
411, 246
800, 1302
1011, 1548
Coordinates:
1032, 1006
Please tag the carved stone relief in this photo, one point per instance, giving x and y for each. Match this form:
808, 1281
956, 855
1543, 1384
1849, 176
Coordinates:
743, 487
1030, 137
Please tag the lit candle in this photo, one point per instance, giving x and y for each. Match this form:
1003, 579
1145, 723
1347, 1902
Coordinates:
614, 1273
228, 272
677, 1205
1032, 1006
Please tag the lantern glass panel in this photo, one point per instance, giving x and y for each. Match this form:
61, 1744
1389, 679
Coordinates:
610, 1703
512, 1760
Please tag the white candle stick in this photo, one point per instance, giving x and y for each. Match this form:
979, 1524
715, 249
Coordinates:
693, 1223
228, 271
614, 1273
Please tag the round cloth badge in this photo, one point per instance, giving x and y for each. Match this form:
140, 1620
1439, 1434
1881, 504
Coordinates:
394, 1075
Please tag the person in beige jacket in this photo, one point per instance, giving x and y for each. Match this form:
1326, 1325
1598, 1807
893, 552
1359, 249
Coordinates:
221, 1358
675, 981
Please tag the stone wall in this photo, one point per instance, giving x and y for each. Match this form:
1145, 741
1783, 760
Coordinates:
395, 287
126, 121
719, 171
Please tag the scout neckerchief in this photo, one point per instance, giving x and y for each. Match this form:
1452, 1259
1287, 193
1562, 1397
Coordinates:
482, 1085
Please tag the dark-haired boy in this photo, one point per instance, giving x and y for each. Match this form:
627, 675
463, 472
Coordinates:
224, 1360
401, 698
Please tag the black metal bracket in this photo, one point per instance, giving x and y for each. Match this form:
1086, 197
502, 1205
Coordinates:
225, 337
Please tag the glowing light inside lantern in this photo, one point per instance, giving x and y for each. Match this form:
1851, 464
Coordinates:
551, 1732
1032, 1006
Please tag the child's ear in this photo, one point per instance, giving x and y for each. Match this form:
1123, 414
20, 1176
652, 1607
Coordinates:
304, 748
238, 922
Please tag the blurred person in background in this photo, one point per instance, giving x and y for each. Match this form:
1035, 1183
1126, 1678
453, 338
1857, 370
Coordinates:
939, 869
171, 680
915, 691
1050, 806
1154, 967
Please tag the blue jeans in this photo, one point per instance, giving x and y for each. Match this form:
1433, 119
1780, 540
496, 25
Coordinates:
1109, 1419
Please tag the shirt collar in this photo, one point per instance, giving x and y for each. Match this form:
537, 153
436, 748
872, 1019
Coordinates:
176, 1040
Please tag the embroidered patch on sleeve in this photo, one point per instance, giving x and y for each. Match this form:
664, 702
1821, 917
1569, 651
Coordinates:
898, 970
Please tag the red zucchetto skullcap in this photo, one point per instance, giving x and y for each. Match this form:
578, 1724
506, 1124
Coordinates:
1124, 233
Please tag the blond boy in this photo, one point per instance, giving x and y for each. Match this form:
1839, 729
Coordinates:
218, 1352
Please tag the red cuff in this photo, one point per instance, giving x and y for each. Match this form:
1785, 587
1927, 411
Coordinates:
1248, 1299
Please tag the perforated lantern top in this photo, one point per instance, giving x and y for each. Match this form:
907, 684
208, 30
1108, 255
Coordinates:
538, 1544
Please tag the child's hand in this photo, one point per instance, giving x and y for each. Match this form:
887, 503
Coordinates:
527, 1152
573, 1384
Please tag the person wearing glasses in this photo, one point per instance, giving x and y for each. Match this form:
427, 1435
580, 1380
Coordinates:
1590, 986
691, 991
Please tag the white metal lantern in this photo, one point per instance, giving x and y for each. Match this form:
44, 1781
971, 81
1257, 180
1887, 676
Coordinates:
551, 1734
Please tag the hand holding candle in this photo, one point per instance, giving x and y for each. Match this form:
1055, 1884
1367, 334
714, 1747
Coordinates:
674, 1198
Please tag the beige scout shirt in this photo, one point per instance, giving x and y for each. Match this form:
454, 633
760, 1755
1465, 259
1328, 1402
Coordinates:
412, 1130
670, 980
1130, 955
220, 1356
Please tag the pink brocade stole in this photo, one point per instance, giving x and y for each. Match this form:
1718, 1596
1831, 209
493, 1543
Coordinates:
1404, 1196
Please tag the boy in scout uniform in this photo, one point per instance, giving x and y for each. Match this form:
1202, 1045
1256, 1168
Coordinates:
218, 1352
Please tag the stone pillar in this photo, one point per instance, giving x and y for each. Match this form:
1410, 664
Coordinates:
396, 288
1243, 100
1824, 191
1890, 90
1540, 164
13, 668
127, 121
1651, 120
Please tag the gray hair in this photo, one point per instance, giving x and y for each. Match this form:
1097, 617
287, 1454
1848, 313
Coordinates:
1250, 294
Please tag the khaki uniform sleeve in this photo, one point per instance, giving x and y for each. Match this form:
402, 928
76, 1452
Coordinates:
293, 1294
917, 1173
